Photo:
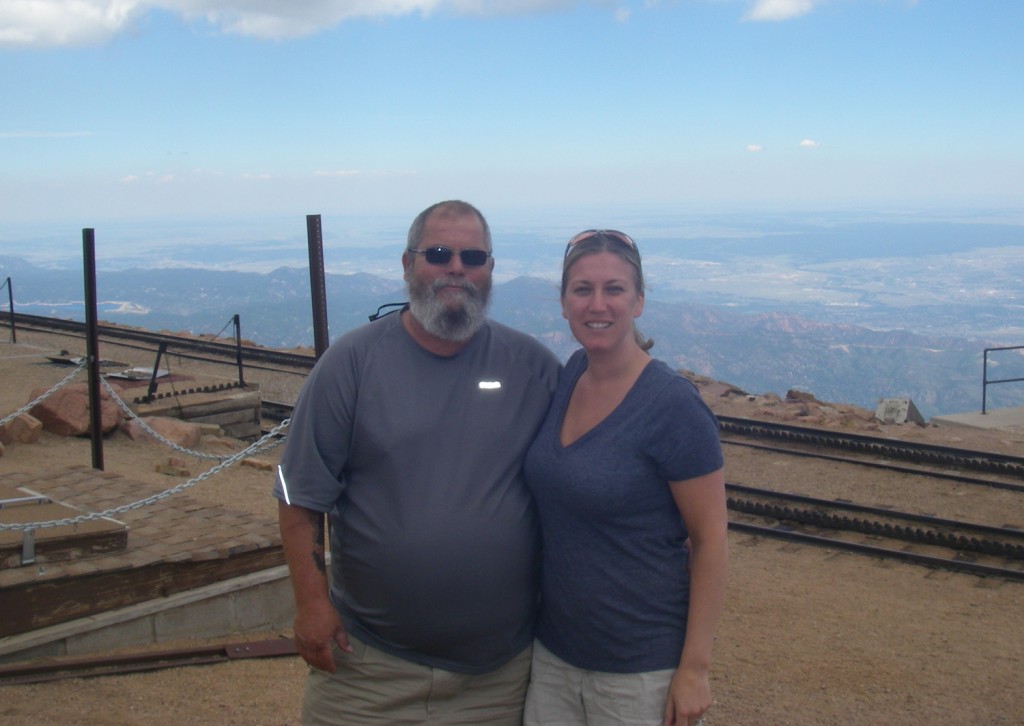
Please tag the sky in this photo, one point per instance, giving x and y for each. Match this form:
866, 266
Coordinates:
118, 112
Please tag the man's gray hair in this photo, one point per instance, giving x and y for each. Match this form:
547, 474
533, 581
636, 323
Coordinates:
452, 206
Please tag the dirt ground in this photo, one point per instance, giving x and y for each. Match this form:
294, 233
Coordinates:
809, 636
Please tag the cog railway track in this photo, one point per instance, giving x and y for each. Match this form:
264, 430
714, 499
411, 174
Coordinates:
978, 549
875, 451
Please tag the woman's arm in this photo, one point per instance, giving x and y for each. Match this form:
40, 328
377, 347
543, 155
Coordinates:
702, 504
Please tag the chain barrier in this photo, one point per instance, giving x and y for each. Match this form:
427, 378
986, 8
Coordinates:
258, 446
32, 404
149, 430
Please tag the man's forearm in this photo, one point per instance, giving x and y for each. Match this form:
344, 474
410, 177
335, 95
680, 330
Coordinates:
302, 534
317, 624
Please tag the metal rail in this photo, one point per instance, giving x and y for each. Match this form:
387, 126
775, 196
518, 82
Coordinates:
986, 382
906, 526
890, 448
92, 666
228, 350
964, 566
958, 477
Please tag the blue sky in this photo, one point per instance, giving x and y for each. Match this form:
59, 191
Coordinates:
120, 111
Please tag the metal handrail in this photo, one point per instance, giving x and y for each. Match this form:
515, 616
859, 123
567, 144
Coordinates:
985, 382
10, 302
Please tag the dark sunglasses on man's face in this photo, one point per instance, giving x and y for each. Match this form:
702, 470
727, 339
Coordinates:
443, 255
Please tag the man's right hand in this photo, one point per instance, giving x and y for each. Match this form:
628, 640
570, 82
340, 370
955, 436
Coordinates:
316, 627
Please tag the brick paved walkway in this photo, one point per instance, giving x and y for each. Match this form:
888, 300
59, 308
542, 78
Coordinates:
173, 545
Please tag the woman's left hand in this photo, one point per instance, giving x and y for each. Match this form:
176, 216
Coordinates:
689, 696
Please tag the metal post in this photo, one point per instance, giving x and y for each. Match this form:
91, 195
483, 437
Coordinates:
984, 382
238, 348
10, 300
318, 297
151, 391
92, 348
28, 546
317, 286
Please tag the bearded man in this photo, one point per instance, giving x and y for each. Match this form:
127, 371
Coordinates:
410, 434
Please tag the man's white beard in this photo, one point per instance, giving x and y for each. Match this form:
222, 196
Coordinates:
455, 324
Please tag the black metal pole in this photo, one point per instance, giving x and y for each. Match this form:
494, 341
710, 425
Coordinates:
151, 391
318, 296
92, 348
238, 348
317, 286
10, 300
984, 383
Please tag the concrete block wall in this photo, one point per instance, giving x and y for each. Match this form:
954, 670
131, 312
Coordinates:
260, 602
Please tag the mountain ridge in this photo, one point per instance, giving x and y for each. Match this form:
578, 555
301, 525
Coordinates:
762, 352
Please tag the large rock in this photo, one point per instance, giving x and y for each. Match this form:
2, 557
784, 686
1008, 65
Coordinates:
66, 412
23, 428
182, 433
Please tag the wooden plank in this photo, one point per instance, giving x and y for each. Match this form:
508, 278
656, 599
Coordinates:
242, 415
36, 605
64, 547
200, 405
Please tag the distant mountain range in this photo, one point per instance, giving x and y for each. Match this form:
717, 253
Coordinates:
759, 352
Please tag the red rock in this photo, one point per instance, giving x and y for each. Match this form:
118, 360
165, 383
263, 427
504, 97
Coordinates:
24, 429
66, 412
182, 433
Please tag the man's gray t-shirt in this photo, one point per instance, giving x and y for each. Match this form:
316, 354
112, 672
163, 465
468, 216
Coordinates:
418, 458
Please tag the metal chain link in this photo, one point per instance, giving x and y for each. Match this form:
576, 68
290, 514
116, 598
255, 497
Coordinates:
149, 430
32, 404
256, 447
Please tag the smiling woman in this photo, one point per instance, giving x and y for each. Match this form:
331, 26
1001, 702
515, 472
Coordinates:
627, 473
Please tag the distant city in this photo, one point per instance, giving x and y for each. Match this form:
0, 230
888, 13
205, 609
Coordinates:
848, 309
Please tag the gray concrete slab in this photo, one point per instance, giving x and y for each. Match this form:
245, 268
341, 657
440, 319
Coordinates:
1001, 418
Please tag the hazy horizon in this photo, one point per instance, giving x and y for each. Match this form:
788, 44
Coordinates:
281, 241
954, 274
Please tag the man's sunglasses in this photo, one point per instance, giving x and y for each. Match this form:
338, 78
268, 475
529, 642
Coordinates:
591, 233
443, 255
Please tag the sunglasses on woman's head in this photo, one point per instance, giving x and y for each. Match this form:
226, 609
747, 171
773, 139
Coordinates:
440, 255
591, 233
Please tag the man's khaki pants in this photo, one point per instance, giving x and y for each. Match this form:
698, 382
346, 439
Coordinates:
372, 687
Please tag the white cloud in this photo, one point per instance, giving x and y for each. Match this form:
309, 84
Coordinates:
63, 22
780, 9
754, 148
809, 144
483, 8
50, 23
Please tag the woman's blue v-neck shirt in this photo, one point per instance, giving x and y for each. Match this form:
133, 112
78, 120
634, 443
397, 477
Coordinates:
615, 587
